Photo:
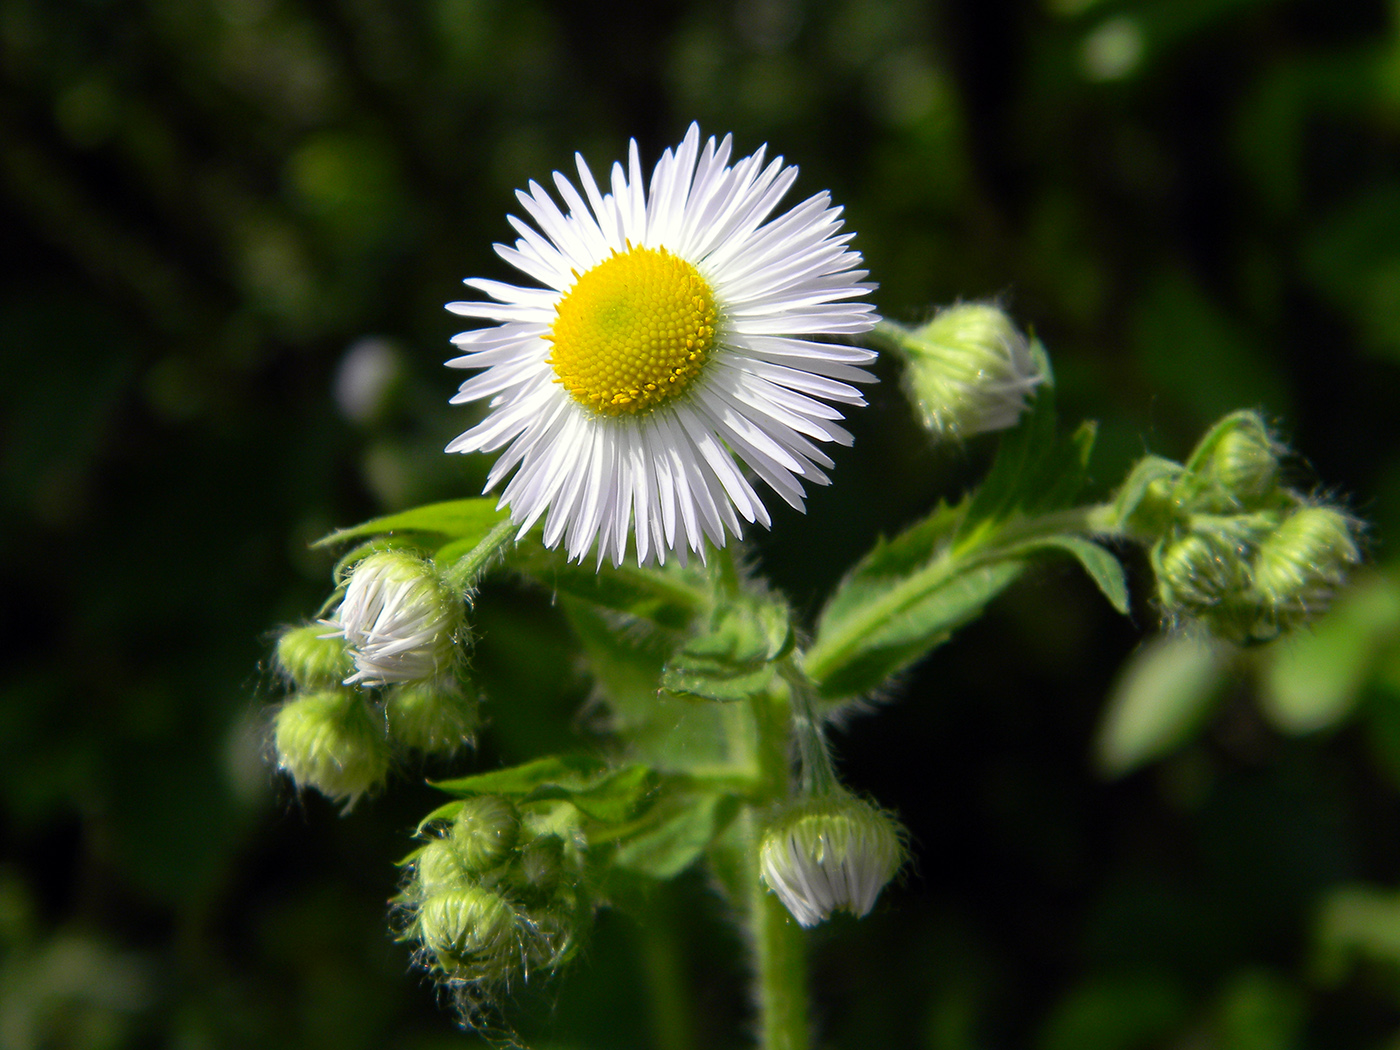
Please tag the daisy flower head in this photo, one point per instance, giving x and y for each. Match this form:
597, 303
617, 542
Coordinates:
677, 338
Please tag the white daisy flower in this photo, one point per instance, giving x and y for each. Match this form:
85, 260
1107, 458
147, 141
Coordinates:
675, 338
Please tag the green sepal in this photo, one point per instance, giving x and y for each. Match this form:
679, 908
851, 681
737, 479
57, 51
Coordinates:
461, 520
734, 657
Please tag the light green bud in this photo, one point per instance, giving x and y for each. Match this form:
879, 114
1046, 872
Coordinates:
485, 832
542, 862
1233, 468
399, 618
438, 869
312, 658
436, 716
466, 922
822, 854
1300, 565
969, 370
329, 740
1198, 572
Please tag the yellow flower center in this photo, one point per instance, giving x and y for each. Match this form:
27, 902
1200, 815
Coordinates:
633, 331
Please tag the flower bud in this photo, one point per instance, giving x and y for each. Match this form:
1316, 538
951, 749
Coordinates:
312, 659
435, 716
399, 618
1300, 565
1233, 468
542, 862
438, 869
465, 922
822, 854
969, 370
1198, 572
329, 741
485, 831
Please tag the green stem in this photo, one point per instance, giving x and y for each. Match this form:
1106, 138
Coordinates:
782, 970
780, 961
818, 776
981, 548
464, 573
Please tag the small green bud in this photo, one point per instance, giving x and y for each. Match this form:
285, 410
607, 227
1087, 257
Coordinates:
1233, 468
435, 716
329, 741
438, 869
399, 618
1198, 572
485, 831
1300, 565
822, 854
969, 370
465, 922
311, 658
542, 862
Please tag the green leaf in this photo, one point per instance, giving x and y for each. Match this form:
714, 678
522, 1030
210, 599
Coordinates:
668, 596
877, 627
465, 520
1161, 698
558, 770
610, 796
703, 740
1099, 562
677, 830
733, 658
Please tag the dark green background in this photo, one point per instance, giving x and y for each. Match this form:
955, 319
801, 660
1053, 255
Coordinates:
204, 204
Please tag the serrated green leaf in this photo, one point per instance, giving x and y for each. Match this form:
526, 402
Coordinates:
461, 519
1101, 564
718, 684
677, 831
563, 770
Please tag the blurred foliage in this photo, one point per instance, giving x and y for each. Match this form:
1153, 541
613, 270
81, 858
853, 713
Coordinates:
232, 225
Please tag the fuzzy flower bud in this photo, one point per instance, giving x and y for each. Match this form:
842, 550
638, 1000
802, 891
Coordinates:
1300, 565
469, 921
823, 854
1242, 464
311, 659
486, 830
399, 619
969, 370
435, 716
329, 741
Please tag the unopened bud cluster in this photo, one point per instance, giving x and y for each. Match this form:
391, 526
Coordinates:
968, 371
821, 855
381, 675
493, 896
1233, 549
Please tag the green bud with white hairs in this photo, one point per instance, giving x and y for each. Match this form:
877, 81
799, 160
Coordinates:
969, 371
1301, 564
834, 852
1239, 467
436, 716
485, 832
471, 924
329, 740
312, 658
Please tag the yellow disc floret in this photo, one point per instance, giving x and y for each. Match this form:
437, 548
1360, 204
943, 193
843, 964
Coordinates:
633, 331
